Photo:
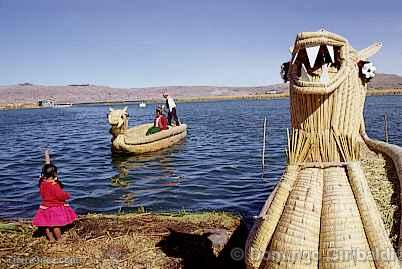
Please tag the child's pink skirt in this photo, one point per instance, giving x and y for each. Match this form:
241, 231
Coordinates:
54, 216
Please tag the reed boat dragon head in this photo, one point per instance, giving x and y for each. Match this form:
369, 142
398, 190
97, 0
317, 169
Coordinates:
328, 82
321, 61
118, 119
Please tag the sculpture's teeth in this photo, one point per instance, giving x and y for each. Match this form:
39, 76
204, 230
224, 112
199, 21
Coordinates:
294, 58
331, 52
324, 77
304, 75
312, 53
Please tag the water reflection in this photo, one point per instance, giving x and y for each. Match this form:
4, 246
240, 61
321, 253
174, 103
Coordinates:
126, 164
129, 167
127, 199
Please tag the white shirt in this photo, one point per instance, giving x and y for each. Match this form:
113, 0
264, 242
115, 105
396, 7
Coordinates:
171, 103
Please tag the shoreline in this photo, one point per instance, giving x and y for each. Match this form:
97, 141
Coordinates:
370, 92
146, 240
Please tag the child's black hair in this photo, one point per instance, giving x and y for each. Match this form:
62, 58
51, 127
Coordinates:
49, 171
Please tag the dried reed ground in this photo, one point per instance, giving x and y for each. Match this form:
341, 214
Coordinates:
137, 240
146, 240
384, 185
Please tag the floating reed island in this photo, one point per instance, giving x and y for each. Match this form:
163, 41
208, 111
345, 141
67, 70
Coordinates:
384, 184
135, 240
322, 213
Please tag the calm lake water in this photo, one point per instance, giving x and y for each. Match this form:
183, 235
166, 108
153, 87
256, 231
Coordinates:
217, 167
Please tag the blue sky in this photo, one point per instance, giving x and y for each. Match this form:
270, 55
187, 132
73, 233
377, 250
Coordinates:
139, 43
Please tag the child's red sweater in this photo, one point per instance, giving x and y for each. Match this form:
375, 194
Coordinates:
52, 194
163, 123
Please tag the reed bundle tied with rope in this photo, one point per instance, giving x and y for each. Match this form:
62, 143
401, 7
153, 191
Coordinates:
323, 147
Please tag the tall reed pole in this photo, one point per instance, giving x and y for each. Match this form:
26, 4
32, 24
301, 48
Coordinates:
386, 127
263, 147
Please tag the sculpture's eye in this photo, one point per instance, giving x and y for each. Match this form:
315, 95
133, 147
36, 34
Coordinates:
366, 70
127, 115
122, 117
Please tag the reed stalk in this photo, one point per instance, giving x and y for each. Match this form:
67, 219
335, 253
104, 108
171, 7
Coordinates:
386, 127
263, 147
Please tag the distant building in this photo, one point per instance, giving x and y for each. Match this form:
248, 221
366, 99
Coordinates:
46, 103
50, 103
25, 84
79, 85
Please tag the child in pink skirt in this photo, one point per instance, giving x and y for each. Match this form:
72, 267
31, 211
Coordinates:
53, 212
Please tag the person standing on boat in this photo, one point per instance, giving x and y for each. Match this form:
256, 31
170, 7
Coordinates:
171, 106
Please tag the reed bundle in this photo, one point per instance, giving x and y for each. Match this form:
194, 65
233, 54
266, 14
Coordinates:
342, 230
266, 223
371, 219
395, 153
299, 225
348, 147
321, 147
383, 181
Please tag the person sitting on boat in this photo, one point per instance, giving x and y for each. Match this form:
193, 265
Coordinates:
160, 122
171, 106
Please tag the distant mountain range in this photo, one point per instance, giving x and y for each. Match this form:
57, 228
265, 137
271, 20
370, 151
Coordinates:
87, 93
388, 81
380, 81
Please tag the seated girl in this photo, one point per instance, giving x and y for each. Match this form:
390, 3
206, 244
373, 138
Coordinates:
160, 122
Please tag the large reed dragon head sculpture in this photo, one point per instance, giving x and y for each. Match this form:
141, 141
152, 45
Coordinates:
322, 61
328, 82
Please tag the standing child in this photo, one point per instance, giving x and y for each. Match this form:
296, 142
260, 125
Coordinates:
53, 213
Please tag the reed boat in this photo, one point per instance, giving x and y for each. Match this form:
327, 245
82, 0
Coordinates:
322, 213
134, 141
